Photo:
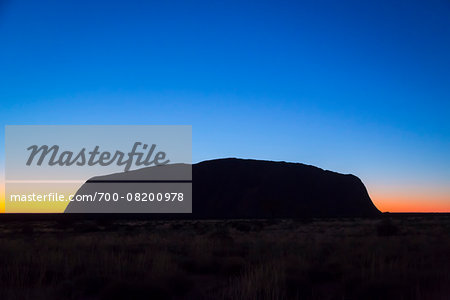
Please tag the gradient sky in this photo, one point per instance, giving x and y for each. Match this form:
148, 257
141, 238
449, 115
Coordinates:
353, 87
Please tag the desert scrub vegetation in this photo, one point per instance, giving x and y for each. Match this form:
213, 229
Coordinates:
239, 259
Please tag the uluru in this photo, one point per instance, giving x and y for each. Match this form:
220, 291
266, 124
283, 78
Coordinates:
234, 188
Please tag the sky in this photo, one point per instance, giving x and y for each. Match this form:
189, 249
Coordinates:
349, 86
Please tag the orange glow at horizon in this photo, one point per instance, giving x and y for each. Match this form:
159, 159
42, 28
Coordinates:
385, 201
414, 201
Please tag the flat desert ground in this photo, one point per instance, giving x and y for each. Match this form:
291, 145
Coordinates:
391, 257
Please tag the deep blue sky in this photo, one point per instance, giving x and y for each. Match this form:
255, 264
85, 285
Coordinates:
354, 87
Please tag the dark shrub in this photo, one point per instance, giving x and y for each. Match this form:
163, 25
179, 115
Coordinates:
242, 226
387, 228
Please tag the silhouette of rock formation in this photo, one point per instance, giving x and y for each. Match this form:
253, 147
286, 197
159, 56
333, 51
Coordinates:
244, 188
